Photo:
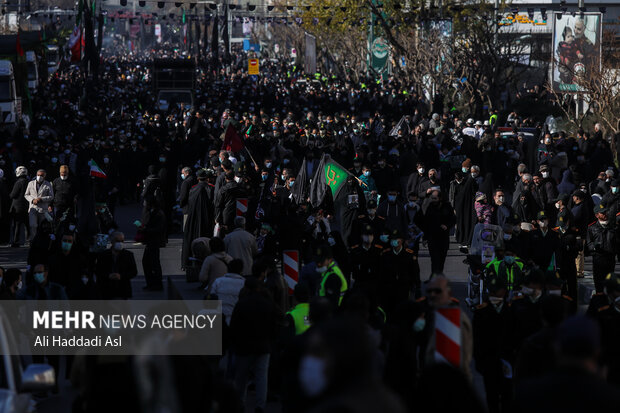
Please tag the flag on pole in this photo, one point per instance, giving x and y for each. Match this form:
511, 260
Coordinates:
328, 174
18, 46
232, 140
75, 44
300, 189
402, 124
95, 170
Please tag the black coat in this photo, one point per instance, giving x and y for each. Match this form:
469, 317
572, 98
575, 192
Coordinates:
124, 264
19, 205
64, 193
254, 324
199, 217
226, 208
154, 228
184, 191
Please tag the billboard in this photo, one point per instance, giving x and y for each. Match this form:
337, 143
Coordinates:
576, 49
310, 55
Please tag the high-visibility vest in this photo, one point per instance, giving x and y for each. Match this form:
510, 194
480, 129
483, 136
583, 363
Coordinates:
492, 119
301, 317
334, 269
511, 275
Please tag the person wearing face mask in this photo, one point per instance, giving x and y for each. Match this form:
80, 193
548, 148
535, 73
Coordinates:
40, 287
39, 193
612, 198
508, 268
438, 220
492, 346
365, 258
383, 175
368, 183
418, 181
602, 245
67, 262
544, 243
546, 150
392, 211
333, 284
188, 180
11, 284
402, 274
115, 268
569, 247
65, 193
501, 210
525, 308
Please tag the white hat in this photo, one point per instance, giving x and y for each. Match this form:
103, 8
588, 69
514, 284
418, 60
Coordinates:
469, 121
21, 171
486, 123
478, 123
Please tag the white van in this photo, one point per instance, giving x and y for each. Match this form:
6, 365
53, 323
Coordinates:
10, 103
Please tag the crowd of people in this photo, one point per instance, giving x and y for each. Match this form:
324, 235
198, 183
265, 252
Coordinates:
357, 329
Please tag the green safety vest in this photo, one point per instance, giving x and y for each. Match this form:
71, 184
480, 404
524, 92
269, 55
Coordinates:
333, 269
492, 119
509, 275
301, 317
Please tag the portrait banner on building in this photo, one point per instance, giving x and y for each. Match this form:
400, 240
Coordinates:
310, 55
576, 49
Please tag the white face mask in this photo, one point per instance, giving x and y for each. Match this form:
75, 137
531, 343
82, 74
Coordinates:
557, 205
603, 223
545, 174
40, 178
500, 199
237, 179
321, 269
20, 285
421, 170
542, 224
496, 300
312, 375
474, 175
63, 177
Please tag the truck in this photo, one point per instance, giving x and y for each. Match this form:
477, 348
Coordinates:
33, 71
10, 100
174, 81
53, 59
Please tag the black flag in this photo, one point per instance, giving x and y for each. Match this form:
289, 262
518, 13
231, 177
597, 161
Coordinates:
215, 40
301, 187
225, 34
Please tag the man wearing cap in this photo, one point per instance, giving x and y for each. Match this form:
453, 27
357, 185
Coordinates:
602, 244
491, 331
569, 248
507, 268
438, 221
370, 218
607, 297
400, 272
544, 243
333, 285
365, 258
469, 130
187, 182
418, 181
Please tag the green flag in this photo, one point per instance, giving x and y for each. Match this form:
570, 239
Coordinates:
330, 174
78, 18
183, 16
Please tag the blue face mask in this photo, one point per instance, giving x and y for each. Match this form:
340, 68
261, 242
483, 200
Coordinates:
366, 174
182, 176
291, 183
384, 238
509, 259
394, 243
268, 164
66, 246
264, 177
39, 277
392, 198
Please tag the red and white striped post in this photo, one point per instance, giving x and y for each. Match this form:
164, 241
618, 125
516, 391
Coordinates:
242, 206
290, 267
448, 336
